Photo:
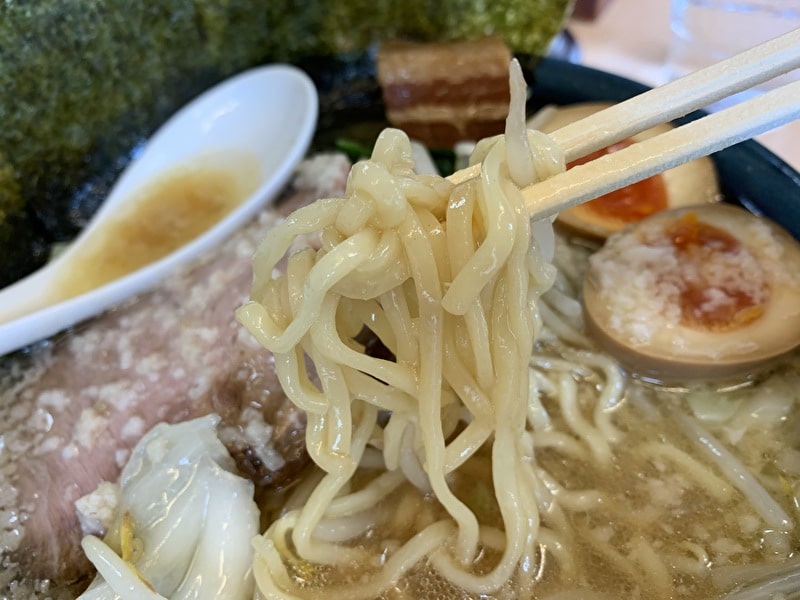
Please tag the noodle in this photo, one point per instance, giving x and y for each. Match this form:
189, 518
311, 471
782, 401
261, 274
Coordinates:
568, 399
448, 280
739, 476
712, 484
493, 399
651, 564
696, 564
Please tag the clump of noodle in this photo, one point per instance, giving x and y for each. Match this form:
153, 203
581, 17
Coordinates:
449, 280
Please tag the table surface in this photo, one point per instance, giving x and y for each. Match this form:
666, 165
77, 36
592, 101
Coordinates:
631, 38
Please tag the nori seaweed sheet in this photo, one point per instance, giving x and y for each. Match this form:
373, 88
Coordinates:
84, 82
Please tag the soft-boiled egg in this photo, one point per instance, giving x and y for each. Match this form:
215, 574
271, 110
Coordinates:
689, 184
694, 293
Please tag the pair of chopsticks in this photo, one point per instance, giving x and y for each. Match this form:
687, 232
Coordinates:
661, 105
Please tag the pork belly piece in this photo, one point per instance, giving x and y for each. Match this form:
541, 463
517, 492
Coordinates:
442, 93
73, 410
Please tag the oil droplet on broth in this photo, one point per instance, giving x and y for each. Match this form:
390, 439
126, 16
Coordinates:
171, 210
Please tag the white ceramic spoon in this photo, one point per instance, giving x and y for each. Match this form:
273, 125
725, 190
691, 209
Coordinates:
268, 113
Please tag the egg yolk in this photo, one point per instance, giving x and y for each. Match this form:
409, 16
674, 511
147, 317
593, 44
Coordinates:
631, 203
716, 293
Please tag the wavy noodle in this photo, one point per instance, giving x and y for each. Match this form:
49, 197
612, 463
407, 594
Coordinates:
690, 467
453, 281
448, 279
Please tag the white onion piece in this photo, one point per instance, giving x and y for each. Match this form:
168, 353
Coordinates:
195, 520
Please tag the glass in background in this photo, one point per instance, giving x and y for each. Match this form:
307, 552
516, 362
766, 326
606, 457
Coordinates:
707, 31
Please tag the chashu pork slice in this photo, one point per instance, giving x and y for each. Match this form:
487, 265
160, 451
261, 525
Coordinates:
441, 93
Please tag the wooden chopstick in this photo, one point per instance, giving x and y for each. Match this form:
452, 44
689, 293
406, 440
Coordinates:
672, 100
659, 153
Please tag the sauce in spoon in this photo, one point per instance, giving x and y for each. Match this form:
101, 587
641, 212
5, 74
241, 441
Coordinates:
251, 129
163, 215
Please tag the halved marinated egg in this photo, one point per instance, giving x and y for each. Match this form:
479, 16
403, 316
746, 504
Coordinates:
693, 293
689, 184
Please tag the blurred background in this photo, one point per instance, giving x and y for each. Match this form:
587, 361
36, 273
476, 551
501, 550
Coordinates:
656, 40
83, 84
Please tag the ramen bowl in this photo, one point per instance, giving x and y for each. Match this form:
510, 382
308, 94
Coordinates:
351, 106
